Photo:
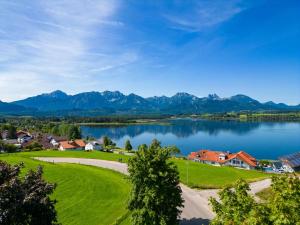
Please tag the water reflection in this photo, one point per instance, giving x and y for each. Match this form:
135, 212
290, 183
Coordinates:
181, 128
267, 140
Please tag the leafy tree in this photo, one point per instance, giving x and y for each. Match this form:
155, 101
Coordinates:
7, 147
155, 144
25, 201
107, 142
238, 207
156, 195
55, 130
34, 146
128, 145
284, 203
234, 206
11, 132
74, 132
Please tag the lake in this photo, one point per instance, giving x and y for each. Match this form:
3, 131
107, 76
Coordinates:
263, 140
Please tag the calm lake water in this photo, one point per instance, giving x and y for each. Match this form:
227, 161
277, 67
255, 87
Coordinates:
263, 140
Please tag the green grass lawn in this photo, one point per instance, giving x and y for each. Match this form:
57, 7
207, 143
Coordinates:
199, 175
94, 196
86, 195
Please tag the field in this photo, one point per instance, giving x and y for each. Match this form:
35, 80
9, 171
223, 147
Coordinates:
94, 196
193, 174
86, 195
198, 175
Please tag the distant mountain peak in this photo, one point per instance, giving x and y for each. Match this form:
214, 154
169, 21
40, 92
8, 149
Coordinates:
242, 98
56, 94
213, 97
183, 94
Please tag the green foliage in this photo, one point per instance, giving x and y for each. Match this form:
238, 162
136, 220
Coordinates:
9, 148
285, 201
11, 132
265, 162
34, 146
128, 145
238, 207
108, 142
73, 132
25, 201
234, 206
156, 195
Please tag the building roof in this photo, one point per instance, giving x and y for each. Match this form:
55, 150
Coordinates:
207, 155
244, 157
293, 159
78, 143
214, 156
22, 133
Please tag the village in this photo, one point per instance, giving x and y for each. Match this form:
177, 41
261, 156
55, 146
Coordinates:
26, 141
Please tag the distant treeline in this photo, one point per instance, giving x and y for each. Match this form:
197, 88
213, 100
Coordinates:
260, 116
52, 126
75, 119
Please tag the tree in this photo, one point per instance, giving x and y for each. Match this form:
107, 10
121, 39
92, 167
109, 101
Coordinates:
234, 206
74, 132
155, 197
238, 207
25, 201
107, 142
128, 145
284, 203
11, 132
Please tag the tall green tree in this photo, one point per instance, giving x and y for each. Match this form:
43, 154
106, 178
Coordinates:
107, 141
74, 132
128, 145
11, 132
155, 197
25, 201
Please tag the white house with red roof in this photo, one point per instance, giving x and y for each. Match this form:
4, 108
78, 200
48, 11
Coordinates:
219, 158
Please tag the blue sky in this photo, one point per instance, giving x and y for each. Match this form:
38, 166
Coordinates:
151, 47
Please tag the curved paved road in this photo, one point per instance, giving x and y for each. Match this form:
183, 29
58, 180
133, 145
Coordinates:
196, 202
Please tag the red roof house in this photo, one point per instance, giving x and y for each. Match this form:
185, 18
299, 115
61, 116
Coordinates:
77, 144
240, 159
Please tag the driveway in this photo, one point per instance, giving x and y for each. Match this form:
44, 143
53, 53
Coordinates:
196, 202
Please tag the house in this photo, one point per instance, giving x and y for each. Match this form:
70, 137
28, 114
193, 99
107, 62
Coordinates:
277, 166
291, 163
77, 144
218, 158
94, 145
54, 143
23, 137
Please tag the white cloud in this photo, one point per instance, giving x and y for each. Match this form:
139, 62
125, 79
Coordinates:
56, 40
204, 14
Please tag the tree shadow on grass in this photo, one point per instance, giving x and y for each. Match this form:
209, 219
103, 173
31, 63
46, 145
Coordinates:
194, 221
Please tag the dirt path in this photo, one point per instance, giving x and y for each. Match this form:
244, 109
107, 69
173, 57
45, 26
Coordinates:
196, 202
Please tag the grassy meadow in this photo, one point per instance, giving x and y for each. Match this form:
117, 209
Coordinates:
94, 196
193, 174
86, 195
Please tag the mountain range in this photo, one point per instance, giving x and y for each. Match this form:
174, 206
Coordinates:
115, 102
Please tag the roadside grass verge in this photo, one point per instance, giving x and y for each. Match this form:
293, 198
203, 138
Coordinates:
86, 195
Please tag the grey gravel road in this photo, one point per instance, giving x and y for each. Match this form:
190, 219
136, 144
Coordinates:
196, 202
